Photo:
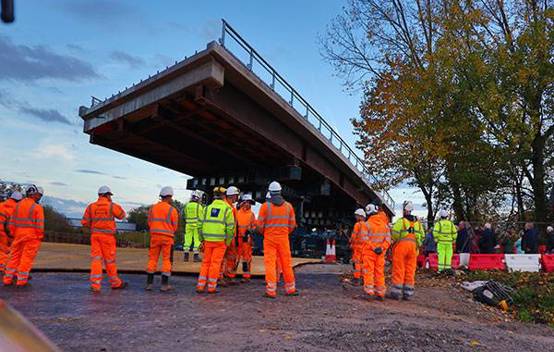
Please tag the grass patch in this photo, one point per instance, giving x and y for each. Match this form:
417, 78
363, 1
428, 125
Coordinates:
534, 296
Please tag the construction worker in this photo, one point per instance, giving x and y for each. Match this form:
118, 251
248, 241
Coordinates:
100, 218
407, 237
27, 226
217, 228
163, 221
6, 209
246, 222
445, 234
374, 247
276, 221
193, 211
358, 232
230, 264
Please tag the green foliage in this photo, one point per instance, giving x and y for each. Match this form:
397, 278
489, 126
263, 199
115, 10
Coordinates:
55, 221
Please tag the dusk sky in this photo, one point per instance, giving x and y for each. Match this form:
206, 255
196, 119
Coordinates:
58, 53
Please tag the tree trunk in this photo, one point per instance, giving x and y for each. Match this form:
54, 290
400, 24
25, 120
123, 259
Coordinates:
539, 189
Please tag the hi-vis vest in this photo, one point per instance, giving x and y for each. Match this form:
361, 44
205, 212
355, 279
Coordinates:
378, 233
277, 220
406, 230
193, 213
359, 234
27, 219
100, 217
217, 223
163, 220
6, 210
444, 231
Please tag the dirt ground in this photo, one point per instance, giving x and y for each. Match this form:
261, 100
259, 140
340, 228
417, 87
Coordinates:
328, 316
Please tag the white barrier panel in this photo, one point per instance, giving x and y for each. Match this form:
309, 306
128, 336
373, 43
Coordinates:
523, 262
464, 260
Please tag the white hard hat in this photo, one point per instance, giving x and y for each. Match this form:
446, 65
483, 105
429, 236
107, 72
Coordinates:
370, 209
360, 212
197, 194
232, 191
34, 190
408, 206
40, 190
550, 229
104, 190
275, 187
443, 213
247, 198
268, 195
166, 191
16, 195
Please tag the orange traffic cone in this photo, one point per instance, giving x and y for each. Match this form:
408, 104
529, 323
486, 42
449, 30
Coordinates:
330, 252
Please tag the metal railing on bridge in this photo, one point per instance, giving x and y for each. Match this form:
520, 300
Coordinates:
278, 84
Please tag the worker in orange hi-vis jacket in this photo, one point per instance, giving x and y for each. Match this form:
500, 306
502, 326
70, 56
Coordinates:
231, 259
375, 245
407, 237
276, 221
27, 226
100, 218
356, 244
6, 238
163, 221
246, 221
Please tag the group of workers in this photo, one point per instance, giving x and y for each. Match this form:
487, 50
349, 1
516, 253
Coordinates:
222, 231
371, 238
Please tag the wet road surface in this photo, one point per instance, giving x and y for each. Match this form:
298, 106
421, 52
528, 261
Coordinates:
326, 317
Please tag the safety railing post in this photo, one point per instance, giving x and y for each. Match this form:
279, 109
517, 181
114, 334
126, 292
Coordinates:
291, 102
251, 62
223, 30
273, 80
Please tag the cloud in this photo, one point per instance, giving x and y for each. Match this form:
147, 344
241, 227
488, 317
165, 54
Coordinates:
123, 57
48, 115
29, 63
55, 151
86, 171
56, 183
99, 11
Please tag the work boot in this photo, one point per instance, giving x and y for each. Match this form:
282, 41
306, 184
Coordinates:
186, 257
213, 292
266, 295
95, 289
122, 286
395, 296
196, 258
379, 298
165, 284
295, 293
406, 297
149, 282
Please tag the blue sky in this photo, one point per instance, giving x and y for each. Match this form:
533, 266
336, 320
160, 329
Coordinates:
60, 52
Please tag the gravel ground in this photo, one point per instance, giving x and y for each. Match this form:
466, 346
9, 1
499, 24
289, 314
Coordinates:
328, 316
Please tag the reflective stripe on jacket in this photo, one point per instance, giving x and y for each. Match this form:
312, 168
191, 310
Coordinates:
445, 231
378, 232
6, 210
100, 216
27, 219
192, 213
359, 234
406, 230
163, 219
245, 221
217, 223
277, 220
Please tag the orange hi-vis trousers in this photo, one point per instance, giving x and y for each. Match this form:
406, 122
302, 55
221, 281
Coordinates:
211, 265
357, 260
277, 249
102, 249
4, 250
245, 254
163, 245
404, 261
23, 251
231, 260
373, 272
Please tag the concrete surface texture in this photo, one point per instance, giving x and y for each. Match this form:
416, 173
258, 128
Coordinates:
328, 316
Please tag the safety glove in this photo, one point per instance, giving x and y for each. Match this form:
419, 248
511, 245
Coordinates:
378, 250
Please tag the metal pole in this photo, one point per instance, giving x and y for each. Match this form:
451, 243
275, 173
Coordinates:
273, 80
251, 60
222, 39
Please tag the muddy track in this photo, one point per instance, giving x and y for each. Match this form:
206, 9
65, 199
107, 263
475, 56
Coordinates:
327, 316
